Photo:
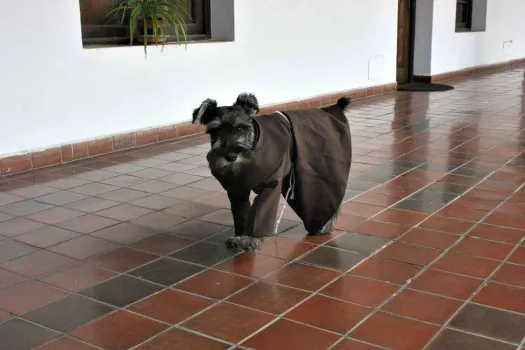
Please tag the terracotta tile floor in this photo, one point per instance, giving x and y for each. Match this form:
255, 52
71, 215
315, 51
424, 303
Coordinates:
126, 251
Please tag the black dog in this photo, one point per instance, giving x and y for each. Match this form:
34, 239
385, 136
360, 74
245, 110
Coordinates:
305, 155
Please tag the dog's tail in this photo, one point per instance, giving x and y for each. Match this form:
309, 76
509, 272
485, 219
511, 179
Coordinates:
343, 102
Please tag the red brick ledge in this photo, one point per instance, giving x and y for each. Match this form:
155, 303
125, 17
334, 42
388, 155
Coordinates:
471, 71
101, 146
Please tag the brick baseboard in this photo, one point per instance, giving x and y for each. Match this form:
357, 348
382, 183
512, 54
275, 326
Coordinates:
73, 152
469, 71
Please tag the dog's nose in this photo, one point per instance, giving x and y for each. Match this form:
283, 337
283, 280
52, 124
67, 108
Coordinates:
231, 157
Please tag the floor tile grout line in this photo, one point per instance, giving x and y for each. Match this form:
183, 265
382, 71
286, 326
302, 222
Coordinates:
257, 280
115, 309
126, 273
100, 182
517, 313
486, 280
444, 152
118, 274
164, 288
480, 335
429, 215
427, 267
83, 261
65, 336
447, 204
312, 295
170, 328
161, 210
60, 333
119, 245
172, 286
189, 330
126, 308
272, 315
480, 180
218, 263
458, 299
108, 158
473, 237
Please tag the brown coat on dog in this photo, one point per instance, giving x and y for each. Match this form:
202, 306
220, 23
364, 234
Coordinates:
316, 144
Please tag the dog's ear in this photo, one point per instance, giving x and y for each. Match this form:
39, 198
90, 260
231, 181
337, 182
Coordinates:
248, 102
205, 113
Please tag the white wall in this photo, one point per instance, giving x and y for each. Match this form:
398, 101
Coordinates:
54, 91
453, 51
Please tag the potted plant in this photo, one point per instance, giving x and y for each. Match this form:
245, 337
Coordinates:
151, 17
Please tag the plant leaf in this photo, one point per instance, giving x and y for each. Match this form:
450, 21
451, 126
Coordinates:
174, 13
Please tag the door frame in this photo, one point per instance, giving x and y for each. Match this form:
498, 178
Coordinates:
411, 40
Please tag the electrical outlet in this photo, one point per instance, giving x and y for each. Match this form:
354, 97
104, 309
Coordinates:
507, 46
375, 68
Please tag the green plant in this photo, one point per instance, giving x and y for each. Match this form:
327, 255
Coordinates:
154, 13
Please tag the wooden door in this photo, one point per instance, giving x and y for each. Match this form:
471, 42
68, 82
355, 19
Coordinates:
403, 41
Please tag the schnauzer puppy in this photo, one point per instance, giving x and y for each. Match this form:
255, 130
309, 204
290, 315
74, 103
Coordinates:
303, 155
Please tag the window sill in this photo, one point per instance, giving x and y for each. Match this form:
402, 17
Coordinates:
110, 43
467, 30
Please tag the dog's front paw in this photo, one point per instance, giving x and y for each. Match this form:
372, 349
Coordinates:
246, 243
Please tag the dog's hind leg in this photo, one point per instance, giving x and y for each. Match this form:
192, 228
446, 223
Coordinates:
328, 227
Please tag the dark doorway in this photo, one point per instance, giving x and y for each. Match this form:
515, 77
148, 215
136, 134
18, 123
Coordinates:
405, 35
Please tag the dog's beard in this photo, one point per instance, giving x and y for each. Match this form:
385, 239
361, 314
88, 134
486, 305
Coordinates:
221, 166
